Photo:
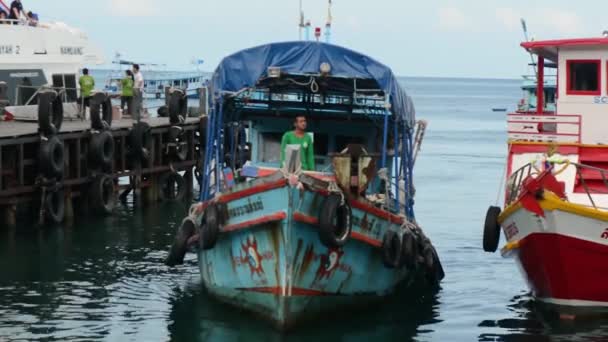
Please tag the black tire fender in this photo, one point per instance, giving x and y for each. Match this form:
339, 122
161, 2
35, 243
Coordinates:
391, 249
50, 112
50, 159
210, 228
54, 206
101, 150
180, 245
409, 248
491, 230
432, 265
177, 136
102, 195
335, 222
178, 106
167, 192
138, 140
101, 111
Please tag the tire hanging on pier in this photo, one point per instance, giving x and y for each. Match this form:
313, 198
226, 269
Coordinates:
210, 228
335, 222
101, 111
138, 140
391, 249
180, 245
102, 196
178, 144
50, 112
101, 150
178, 106
50, 159
491, 230
54, 206
172, 187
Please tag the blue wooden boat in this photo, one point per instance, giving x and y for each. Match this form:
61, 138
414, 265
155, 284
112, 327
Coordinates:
292, 244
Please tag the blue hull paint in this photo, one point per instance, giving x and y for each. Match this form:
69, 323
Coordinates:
283, 272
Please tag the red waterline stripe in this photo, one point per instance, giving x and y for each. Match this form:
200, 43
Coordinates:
279, 291
375, 211
297, 216
252, 191
357, 236
256, 222
366, 239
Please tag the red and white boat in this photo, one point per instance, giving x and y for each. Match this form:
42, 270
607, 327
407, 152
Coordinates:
555, 217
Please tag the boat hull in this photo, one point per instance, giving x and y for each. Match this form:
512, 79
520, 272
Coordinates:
563, 255
269, 258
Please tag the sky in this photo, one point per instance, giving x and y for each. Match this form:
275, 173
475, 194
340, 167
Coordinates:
435, 38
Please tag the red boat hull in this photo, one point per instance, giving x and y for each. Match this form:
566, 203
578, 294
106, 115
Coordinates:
564, 270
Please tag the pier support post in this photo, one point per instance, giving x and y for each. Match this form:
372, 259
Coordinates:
150, 193
189, 176
9, 215
69, 207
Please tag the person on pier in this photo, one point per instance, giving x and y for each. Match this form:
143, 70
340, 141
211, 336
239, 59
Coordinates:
138, 92
127, 92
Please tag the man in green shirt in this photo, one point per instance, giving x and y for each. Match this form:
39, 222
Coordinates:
299, 137
87, 84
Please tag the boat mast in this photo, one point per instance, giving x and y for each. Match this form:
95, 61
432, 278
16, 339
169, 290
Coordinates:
328, 23
301, 24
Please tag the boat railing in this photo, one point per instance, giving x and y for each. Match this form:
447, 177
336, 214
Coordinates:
546, 127
515, 181
590, 180
63, 92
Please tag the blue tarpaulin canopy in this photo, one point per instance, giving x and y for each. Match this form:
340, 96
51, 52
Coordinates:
243, 69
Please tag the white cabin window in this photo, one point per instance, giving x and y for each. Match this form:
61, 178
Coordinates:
584, 77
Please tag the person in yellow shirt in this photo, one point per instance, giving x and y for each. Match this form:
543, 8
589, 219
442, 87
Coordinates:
87, 84
127, 92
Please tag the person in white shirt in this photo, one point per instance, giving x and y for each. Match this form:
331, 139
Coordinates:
138, 92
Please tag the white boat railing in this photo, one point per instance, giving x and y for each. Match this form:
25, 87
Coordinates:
544, 128
584, 173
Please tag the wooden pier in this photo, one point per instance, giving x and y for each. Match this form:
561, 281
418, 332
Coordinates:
157, 157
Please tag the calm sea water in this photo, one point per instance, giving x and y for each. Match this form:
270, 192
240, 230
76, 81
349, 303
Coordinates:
103, 279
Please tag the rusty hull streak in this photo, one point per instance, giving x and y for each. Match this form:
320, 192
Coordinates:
275, 230
297, 266
343, 283
306, 261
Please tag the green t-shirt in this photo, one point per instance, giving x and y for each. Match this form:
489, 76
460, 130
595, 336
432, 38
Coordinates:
127, 86
306, 149
87, 83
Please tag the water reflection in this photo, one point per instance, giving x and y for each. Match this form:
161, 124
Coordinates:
404, 316
535, 321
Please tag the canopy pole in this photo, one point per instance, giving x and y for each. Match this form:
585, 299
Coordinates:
540, 86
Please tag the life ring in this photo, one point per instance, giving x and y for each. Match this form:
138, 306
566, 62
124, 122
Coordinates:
178, 106
101, 150
409, 248
432, 265
138, 140
210, 228
172, 187
334, 210
391, 249
54, 206
51, 157
179, 143
102, 195
491, 230
50, 112
101, 111
180, 244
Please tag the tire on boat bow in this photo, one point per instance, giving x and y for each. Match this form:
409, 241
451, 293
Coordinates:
491, 230
391, 249
210, 227
335, 222
180, 245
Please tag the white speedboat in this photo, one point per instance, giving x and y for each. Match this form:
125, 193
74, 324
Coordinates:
47, 54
